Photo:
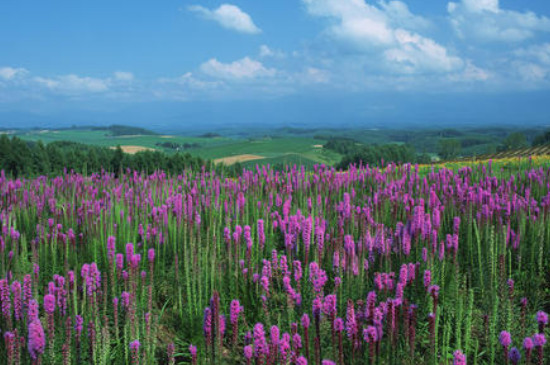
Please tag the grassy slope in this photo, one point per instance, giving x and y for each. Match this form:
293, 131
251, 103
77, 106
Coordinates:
275, 150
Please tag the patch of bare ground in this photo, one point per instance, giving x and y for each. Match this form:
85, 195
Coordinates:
134, 149
230, 160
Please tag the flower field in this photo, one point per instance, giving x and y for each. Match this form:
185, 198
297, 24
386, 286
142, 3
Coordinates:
401, 265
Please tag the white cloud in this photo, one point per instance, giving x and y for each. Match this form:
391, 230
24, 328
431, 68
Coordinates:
471, 73
190, 81
228, 16
242, 69
266, 52
124, 76
9, 73
399, 15
315, 75
538, 52
74, 84
486, 21
385, 30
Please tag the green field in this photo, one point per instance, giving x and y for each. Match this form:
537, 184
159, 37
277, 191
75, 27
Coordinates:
284, 150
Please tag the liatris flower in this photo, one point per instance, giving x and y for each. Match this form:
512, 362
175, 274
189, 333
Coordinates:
193, 352
32, 312
539, 340
248, 354
36, 339
351, 323
301, 361
170, 353
9, 339
49, 303
510, 283
260, 344
328, 362
111, 248
305, 324
92, 338
151, 255
329, 306
5, 299
459, 358
317, 276
542, 319
505, 340
514, 356
274, 335
234, 310
427, 278
528, 346
17, 304
207, 326
370, 335
134, 350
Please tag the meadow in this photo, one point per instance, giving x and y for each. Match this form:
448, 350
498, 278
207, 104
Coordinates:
430, 264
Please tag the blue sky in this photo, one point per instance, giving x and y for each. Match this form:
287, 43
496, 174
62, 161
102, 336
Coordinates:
178, 63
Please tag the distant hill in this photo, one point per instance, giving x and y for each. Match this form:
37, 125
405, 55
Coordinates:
124, 130
543, 150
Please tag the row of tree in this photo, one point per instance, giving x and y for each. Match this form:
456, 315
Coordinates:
374, 155
25, 158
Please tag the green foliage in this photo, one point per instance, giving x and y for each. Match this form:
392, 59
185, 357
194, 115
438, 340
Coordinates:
449, 148
542, 139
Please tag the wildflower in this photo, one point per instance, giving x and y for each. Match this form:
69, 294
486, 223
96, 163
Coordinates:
459, 358
36, 339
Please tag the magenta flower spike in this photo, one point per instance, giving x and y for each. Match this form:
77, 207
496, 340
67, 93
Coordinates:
36, 339
459, 358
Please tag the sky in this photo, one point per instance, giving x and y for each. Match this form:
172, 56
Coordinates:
188, 64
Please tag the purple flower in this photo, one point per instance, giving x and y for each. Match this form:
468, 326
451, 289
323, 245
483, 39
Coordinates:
248, 352
338, 324
134, 345
49, 303
328, 362
192, 351
260, 344
305, 321
528, 343
111, 248
234, 310
542, 317
539, 340
505, 338
459, 358
33, 310
151, 255
370, 334
514, 356
37, 340
301, 361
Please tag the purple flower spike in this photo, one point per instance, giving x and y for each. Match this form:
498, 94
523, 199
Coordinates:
505, 338
514, 356
37, 339
459, 358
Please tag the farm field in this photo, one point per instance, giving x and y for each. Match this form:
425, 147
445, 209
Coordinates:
224, 149
430, 264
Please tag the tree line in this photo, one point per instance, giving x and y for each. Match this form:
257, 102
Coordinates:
374, 155
28, 158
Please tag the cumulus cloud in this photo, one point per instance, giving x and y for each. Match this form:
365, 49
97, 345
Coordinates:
73, 84
243, 69
486, 21
123, 76
228, 16
386, 30
266, 52
9, 73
